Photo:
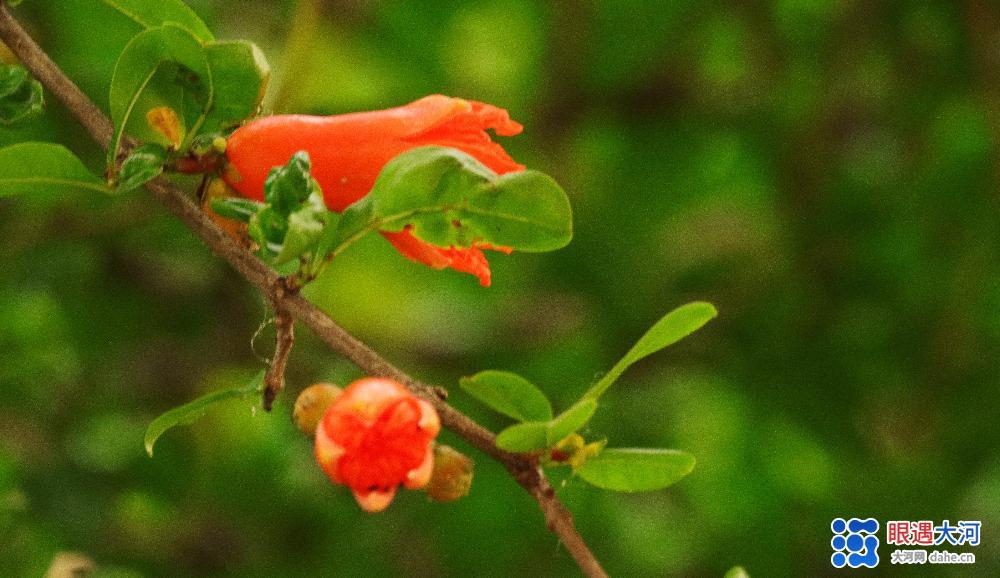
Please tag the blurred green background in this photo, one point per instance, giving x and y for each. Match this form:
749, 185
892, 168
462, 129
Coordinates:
824, 171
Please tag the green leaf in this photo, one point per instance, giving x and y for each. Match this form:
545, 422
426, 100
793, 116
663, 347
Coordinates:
636, 470
294, 217
673, 327
38, 168
12, 77
305, 226
737, 572
240, 73
161, 67
236, 208
20, 95
509, 394
569, 421
538, 435
194, 410
524, 437
154, 13
451, 199
286, 187
143, 164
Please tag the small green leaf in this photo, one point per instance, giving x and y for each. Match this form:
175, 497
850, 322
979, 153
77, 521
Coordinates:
12, 78
143, 164
509, 394
20, 95
636, 470
286, 187
569, 421
194, 410
38, 168
161, 67
673, 327
538, 435
737, 572
524, 437
236, 208
450, 199
305, 226
240, 73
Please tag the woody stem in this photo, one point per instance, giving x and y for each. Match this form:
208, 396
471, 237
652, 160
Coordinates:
523, 469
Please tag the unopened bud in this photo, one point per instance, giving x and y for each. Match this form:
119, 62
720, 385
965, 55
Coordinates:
312, 404
452, 475
574, 451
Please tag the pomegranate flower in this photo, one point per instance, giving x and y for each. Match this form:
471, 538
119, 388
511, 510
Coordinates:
348, 151
376, 436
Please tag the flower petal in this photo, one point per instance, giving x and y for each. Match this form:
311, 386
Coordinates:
429, 420
470, 260
421, 475
375, 501
462, 124
328, 453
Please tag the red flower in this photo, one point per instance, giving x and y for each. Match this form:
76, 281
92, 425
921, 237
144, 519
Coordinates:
376, 436
348, 151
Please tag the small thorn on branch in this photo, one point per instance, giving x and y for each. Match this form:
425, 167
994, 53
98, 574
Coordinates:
284, 324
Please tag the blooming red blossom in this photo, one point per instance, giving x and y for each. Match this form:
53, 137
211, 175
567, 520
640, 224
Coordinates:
348, 151
376, 436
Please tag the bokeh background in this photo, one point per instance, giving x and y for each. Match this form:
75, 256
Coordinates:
824, 171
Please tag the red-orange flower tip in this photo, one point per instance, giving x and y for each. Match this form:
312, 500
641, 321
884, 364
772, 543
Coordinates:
469, 260
376, 436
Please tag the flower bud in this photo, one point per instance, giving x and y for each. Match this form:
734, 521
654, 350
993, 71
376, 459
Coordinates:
452, 475
311, 404
574, 451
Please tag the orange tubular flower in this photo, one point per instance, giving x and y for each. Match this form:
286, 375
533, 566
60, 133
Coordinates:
348, 151
376, 436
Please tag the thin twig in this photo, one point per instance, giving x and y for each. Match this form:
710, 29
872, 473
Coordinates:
284, 325
523, 469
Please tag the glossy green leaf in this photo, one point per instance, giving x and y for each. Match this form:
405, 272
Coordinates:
305, 226
240, 73
286, 187
194, 410
143, 164
509, 394
161, 67
451, 199
737, 572
673, 327
39, 168
524, 437
571, 420
636, 470
20, 95
236, 208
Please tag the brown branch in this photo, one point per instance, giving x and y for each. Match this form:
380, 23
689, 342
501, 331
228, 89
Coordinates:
284, 325
524, 469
